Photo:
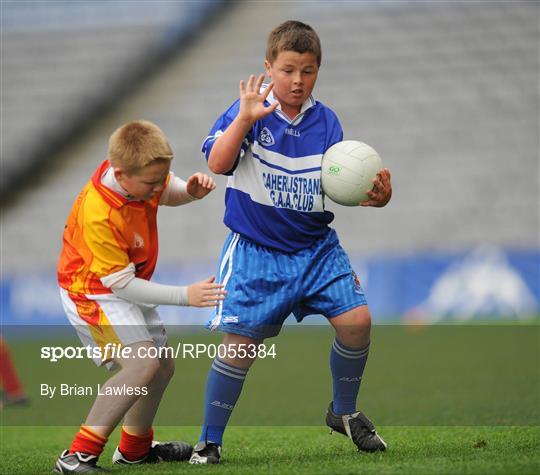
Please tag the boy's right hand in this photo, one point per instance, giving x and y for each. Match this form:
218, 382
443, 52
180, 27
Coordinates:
205, 293
252, 106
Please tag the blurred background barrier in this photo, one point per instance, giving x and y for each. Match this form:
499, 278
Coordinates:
446, 92
484, 284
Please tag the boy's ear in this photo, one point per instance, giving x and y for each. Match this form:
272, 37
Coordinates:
118, 174
267, 66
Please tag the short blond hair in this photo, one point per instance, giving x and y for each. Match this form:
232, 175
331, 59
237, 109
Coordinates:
136, 144
293, 36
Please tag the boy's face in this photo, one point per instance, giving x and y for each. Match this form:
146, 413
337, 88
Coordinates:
294, 75
146, 183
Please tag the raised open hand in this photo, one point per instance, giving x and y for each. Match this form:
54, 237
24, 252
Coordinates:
252, 106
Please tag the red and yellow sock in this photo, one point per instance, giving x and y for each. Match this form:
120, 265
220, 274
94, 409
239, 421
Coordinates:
135, 447
88, 442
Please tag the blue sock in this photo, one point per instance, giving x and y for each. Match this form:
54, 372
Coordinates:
347, 366
223, 388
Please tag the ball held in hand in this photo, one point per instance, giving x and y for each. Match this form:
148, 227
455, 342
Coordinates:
348, 170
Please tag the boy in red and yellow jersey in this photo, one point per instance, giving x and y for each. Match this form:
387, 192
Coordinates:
109, 255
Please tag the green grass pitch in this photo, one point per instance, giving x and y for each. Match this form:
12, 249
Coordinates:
447, 399
310, 450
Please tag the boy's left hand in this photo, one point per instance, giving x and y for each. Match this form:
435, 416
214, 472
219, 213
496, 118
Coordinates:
199, 185
381, 192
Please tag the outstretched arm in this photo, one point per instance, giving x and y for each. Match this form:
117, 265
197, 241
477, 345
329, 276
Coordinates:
124, 284
200, 294
252, 108
179, 192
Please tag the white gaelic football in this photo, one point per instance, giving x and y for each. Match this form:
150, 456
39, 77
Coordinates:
348, 170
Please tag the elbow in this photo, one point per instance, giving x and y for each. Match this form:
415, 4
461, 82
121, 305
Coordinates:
216, 167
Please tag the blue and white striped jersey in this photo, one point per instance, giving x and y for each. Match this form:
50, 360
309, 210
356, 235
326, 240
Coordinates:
274, 196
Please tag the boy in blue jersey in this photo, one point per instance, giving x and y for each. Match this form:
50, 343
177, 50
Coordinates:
281, 256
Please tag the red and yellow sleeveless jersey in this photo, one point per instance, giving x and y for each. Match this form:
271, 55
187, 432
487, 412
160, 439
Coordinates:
103, 234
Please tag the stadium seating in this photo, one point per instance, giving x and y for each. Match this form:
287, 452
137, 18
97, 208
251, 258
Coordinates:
64, 63
448, 95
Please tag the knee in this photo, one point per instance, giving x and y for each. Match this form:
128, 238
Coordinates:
362, 320
233, 343
166, 369
357, 328
359, 320
147, 369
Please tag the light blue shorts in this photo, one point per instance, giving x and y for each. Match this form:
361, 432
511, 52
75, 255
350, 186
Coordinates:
264, 286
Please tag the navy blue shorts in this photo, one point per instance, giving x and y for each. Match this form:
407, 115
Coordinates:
264, 286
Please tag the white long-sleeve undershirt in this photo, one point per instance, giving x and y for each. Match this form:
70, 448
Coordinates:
125, 285
175, 194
